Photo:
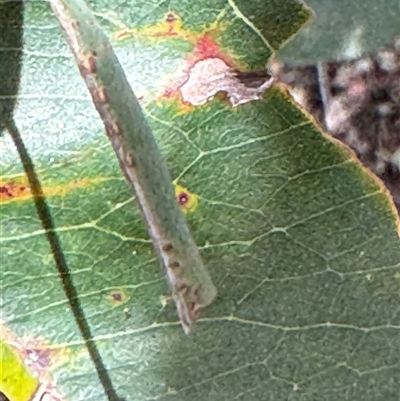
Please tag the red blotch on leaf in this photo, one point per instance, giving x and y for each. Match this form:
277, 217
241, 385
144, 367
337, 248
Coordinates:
207, 47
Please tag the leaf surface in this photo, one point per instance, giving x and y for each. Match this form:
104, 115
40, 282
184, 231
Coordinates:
301, 242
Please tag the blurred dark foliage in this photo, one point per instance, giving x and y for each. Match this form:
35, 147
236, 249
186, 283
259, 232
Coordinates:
3, 397
358, 102
11, 41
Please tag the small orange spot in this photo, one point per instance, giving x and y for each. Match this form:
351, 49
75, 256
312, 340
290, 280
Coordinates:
187, 201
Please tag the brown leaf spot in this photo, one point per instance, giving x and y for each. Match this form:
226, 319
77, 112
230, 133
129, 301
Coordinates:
170, 17
118, 297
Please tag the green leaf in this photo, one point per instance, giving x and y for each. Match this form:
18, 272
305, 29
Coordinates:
301, 242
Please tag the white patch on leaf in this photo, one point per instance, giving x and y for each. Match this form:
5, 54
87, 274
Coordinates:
211, 76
